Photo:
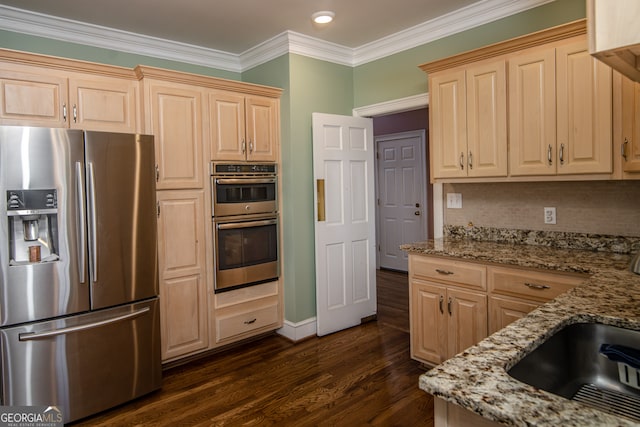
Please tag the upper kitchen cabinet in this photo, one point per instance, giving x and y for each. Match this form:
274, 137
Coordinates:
626, 133
468, 121
537, 107
174, 114
560, 111
614, 35
243, 127
52, 92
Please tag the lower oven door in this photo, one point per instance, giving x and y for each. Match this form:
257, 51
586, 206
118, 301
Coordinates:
246, 251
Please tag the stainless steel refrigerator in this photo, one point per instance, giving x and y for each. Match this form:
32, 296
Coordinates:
79, 312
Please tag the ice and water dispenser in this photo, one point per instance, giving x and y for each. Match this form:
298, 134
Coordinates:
33, 226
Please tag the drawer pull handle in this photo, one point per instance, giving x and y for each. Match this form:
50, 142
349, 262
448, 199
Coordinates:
248, 322
445, 272
449, 306
441, 307
536, 286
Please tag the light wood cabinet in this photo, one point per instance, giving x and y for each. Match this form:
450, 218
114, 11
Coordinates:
245, 312
103, 103
514, 292
41, 96
243, 127
182, 264
468, 110
174, 117
560, 103
454, 304
558, 120
627, 128
445, 318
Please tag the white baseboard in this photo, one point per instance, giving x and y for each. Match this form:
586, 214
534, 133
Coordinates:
299, 330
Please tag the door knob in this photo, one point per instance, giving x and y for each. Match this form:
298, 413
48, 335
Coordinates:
417, 213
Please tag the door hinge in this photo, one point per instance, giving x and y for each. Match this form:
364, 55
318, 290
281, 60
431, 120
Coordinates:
378, 247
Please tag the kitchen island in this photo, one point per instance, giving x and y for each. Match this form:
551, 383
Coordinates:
477, 378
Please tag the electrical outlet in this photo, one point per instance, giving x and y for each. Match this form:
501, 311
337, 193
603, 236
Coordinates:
550, 215
454, 200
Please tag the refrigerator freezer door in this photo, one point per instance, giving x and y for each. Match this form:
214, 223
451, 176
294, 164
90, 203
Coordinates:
36, 159
83, 364
121, 211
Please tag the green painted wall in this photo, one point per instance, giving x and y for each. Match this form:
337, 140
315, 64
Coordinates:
398, 76
312, 85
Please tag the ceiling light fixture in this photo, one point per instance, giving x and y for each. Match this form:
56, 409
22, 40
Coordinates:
323, 17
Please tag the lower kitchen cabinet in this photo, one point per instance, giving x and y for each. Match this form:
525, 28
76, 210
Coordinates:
503, 311
517, 291
245, 312
455, 304
444, 320
182, 264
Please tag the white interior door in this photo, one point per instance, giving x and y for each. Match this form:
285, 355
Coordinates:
402, 196
343, 169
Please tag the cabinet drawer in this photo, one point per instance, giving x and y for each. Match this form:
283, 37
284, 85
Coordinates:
448, 271
534, 285
236, 324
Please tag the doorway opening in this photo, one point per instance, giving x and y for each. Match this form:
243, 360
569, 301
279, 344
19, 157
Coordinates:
404, 208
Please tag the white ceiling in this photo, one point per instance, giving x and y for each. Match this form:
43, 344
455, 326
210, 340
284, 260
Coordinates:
236, 27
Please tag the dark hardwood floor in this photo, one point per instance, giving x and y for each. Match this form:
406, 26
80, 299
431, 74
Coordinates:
360, 376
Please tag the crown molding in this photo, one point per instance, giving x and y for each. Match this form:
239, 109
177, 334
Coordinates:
460, 20
292, 42
36, 24
51, 27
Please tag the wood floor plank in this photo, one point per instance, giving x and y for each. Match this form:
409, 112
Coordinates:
360, 376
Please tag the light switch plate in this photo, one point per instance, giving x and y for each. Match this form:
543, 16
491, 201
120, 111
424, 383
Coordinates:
454, 200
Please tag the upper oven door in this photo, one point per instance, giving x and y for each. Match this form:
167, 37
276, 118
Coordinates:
243, 195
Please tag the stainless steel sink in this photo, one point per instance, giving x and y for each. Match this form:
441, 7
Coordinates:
569, 364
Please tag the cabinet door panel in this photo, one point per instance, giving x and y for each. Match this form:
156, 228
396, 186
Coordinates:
584, 102
176, 123
632, 163
32, 99
487, 119
428, 324
467, 319
227, 124
262, 128
448, 124
182, 264
503, 311
103, 104
181, 239
183, 316
532, 113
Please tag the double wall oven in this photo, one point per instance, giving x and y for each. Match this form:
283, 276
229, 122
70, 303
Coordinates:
245, 224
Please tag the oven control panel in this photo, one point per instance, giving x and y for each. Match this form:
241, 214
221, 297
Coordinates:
243, 168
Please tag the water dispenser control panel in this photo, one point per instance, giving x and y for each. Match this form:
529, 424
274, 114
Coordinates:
33, 226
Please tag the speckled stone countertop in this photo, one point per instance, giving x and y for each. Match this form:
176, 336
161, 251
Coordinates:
477, 379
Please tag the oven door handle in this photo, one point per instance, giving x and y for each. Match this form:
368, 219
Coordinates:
232, 181
246, 224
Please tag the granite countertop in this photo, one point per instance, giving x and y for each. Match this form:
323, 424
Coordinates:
477, 379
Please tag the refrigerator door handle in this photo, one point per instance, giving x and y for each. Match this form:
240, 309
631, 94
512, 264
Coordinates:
82, 235
93, 234
30, 336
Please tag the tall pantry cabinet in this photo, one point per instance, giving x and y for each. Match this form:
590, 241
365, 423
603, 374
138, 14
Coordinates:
174, 115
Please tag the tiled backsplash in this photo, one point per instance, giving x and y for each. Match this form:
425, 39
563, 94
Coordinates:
610, 208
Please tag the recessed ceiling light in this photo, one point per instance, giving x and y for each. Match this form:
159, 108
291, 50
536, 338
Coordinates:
323, 17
